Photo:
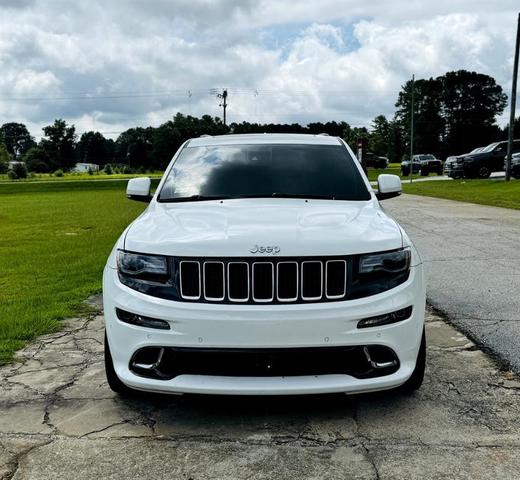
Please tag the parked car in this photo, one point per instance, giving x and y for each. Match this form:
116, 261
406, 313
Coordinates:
423, 163
515, 165
264, 264
375, 161
480, 164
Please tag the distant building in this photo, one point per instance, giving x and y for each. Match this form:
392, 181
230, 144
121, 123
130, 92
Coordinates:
85, 167
12, 163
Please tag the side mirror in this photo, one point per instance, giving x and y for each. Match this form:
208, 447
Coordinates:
388, 186
139, 189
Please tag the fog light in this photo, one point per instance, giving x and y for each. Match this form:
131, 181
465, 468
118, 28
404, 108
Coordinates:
386, 319
141, 321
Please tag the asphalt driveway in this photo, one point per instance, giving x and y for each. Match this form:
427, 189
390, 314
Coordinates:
472, 258
59, 420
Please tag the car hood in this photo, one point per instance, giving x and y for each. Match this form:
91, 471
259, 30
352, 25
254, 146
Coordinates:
234, 227
475, 155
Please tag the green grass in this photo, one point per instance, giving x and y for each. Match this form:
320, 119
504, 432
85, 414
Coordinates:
497, 192
392, 169
49, 177
54, 241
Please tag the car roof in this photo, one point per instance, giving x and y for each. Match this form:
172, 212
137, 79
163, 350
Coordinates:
263, 138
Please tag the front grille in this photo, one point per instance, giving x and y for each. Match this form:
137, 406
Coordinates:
262, 281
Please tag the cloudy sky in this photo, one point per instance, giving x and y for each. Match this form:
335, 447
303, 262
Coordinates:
109, 65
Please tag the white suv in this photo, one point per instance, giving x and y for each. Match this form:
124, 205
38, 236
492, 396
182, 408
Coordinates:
264, 264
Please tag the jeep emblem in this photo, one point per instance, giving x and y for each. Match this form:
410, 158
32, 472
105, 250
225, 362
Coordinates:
270, 250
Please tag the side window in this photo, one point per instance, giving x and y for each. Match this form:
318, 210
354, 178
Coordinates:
516, 146
501, 148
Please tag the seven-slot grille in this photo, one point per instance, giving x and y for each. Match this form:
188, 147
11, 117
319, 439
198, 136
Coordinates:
262, 281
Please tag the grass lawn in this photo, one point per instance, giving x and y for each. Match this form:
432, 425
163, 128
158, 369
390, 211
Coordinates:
54, 241
486, 192
49, 177
393, 169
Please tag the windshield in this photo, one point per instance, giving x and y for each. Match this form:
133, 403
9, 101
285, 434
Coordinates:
489, 147
426, 157
234, 171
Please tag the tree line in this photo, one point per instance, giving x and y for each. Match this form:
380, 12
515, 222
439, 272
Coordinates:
453, 114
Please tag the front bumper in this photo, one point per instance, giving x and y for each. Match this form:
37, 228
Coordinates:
456, 169
324, 325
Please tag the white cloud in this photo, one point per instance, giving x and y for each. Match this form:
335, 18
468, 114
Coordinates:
331, 60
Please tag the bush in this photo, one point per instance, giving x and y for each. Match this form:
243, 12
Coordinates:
58, 173
20, 170
38, 166
4, 158
108, 169
37, 160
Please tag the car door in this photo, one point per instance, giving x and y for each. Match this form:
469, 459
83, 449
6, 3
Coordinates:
496, 163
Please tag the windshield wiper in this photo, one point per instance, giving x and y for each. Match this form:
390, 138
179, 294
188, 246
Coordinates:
199, 198
303, 195
195, 198
285, 195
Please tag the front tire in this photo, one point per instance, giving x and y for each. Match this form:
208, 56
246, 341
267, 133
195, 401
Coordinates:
114, 383
484, 172
416, 380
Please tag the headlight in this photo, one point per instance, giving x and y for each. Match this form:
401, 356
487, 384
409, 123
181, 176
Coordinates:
388, 262
141, 271
379, 272
138, 264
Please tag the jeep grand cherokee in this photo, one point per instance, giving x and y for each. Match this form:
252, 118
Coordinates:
264, 264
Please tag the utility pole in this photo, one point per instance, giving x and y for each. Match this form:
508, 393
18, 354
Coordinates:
223, 104
513, 104
411, 127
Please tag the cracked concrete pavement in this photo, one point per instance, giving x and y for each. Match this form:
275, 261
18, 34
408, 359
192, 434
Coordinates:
58, 419
472, 264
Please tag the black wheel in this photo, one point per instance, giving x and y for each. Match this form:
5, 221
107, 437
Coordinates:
416, 380
516, 175
113, 380
484, 172
405, 172
439, 171
424, 172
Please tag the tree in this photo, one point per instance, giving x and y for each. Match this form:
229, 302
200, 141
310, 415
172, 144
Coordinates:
429, 123
16, 138
453, 113
134, 147
504, 134
379, 139
93, 147
4, 158
20, 170
470, 103
59, 143
352, 135
165, 142
37, 160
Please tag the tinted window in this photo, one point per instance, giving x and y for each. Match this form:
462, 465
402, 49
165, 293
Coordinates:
264, 170
490, 147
